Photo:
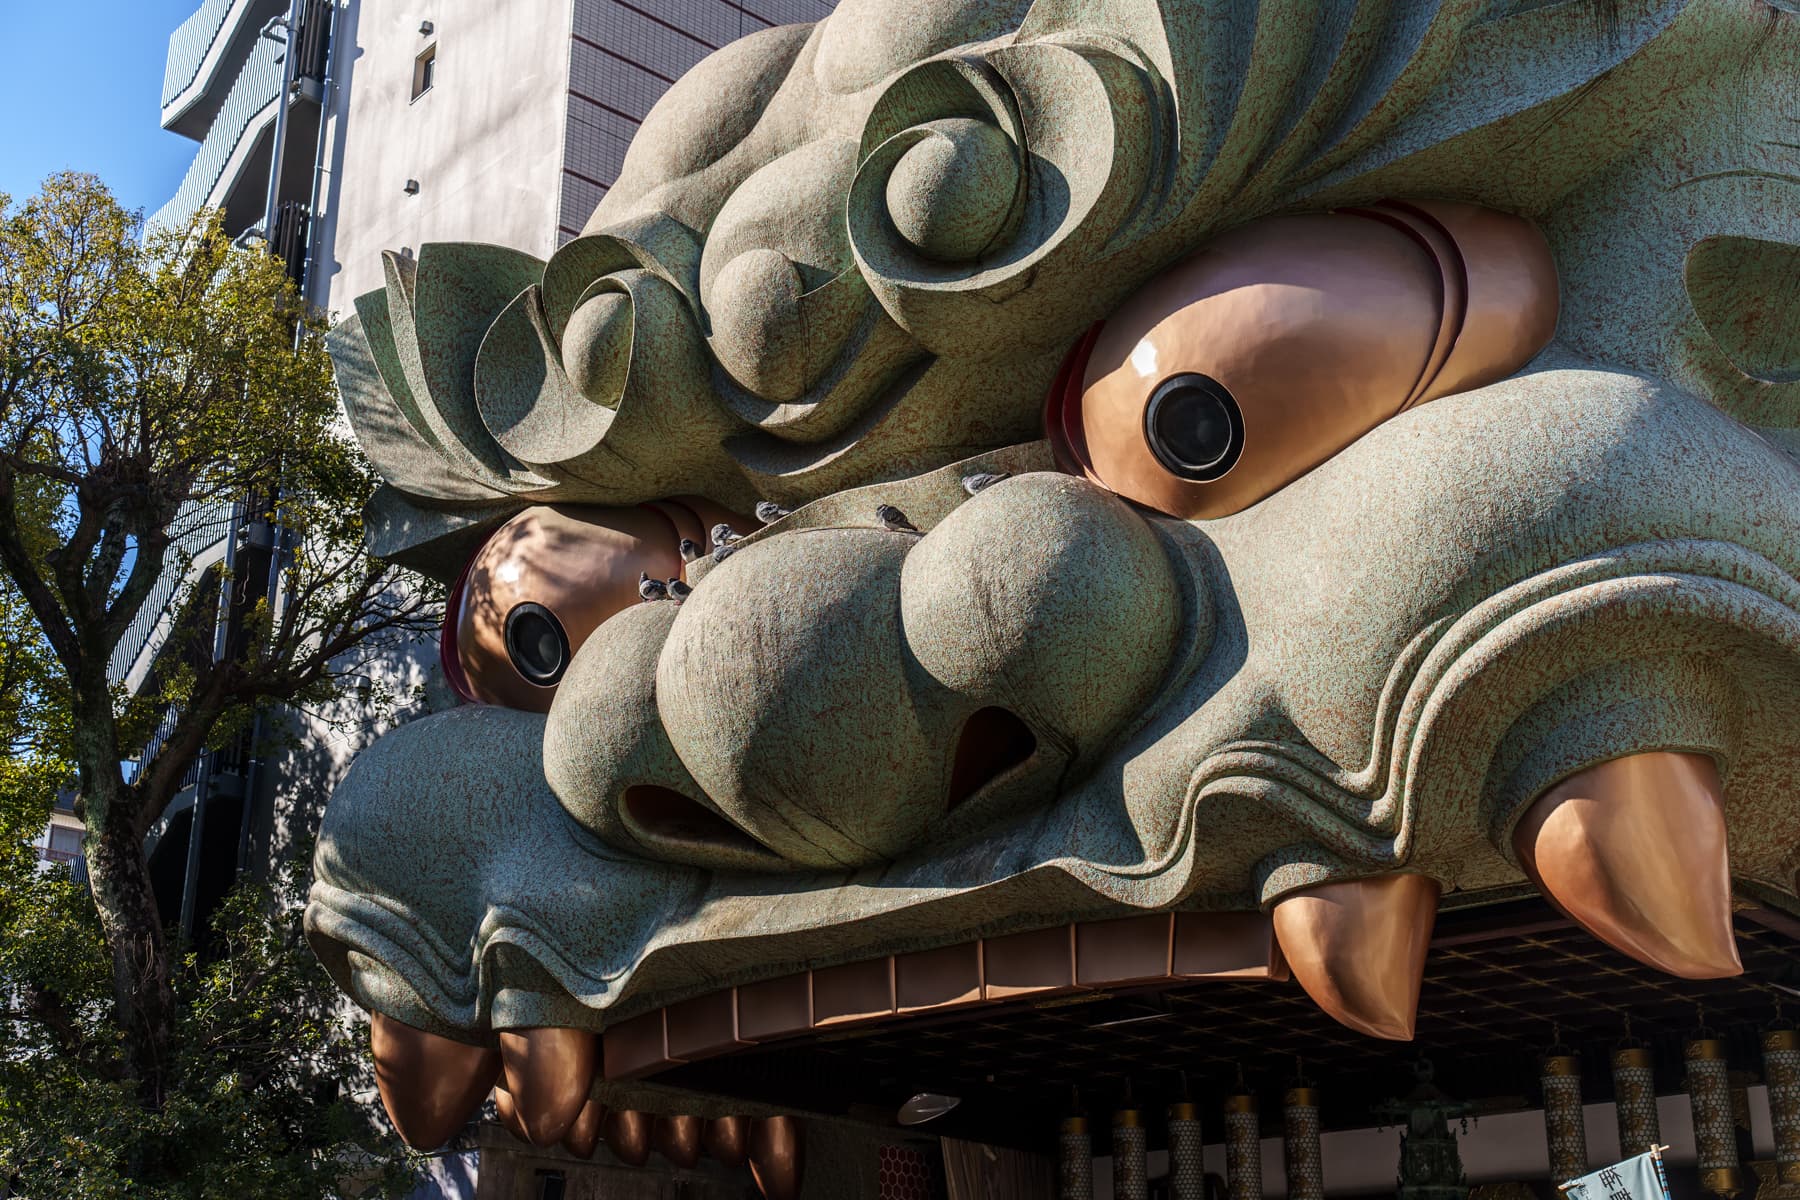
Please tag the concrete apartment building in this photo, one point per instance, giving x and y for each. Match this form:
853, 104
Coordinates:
462, 121
335, 130
441, 120
402, 123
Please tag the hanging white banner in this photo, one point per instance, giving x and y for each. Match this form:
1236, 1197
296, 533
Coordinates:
1639, 1178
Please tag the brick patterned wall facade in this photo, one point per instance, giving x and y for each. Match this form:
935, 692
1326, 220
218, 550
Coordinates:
623, 55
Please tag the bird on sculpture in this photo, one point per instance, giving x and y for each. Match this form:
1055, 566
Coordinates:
690, 549
769, 512
982, 480
724, 535
723, 551
679, 591
894, 520
651, 589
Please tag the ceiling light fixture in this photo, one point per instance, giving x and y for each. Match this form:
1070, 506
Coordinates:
926, 1106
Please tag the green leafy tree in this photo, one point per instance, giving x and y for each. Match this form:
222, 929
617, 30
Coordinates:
143, 380
263, 1060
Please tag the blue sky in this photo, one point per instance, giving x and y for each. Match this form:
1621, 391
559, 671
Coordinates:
80, 87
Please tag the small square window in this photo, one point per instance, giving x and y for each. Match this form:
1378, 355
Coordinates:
424, 71
65, 844
551, 1185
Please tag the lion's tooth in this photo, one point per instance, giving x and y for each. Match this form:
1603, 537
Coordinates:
508, 1112
628, 1136
1358, 948
727, 1140
584, 1134
1634, 850
430, 1084
677, 1138
776, 1161
549, 1072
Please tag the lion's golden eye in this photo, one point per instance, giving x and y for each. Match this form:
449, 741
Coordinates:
1256, 359
546, 579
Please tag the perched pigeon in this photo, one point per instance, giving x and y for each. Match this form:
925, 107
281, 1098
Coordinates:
722, 552
893, 519
690, 549
982, 480
679, 591
724, 535
651, 589
769, 512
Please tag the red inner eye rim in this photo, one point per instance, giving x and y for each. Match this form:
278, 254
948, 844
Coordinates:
449, 652
1062, 407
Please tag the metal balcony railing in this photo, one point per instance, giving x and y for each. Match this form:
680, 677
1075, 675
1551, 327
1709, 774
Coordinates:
289, 243
314, 42
189, 44
195, 42
164, 728
247, 108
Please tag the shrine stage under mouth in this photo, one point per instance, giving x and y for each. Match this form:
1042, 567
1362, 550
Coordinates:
1505, 980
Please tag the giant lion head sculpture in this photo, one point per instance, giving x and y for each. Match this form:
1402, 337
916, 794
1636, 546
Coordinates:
991, 472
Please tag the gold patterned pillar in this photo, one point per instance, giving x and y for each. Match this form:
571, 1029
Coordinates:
1243, 1148
1130, 1178
1715, 1132
1075, 1170
1781, 1072
1300, 1143
1634, 1096
1187, 1162
1562, 1117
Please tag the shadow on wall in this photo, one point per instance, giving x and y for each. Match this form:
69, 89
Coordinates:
449, 1177
307, 758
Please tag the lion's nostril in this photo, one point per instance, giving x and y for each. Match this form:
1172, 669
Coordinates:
993, 742
665, 814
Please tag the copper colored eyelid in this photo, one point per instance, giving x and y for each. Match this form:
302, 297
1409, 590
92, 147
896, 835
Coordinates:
580, 564
1062, 408
1454, 298
1321, 327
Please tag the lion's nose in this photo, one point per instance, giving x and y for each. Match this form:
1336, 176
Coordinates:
837, 696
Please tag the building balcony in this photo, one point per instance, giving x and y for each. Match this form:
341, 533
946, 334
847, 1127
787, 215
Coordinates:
230, 171
198, 544
206, 54
233, 147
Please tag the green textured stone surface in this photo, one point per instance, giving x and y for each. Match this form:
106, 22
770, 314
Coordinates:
1478, 598
1377, 666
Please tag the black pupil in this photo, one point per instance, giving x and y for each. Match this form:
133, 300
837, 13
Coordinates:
1194, 427
536, 643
